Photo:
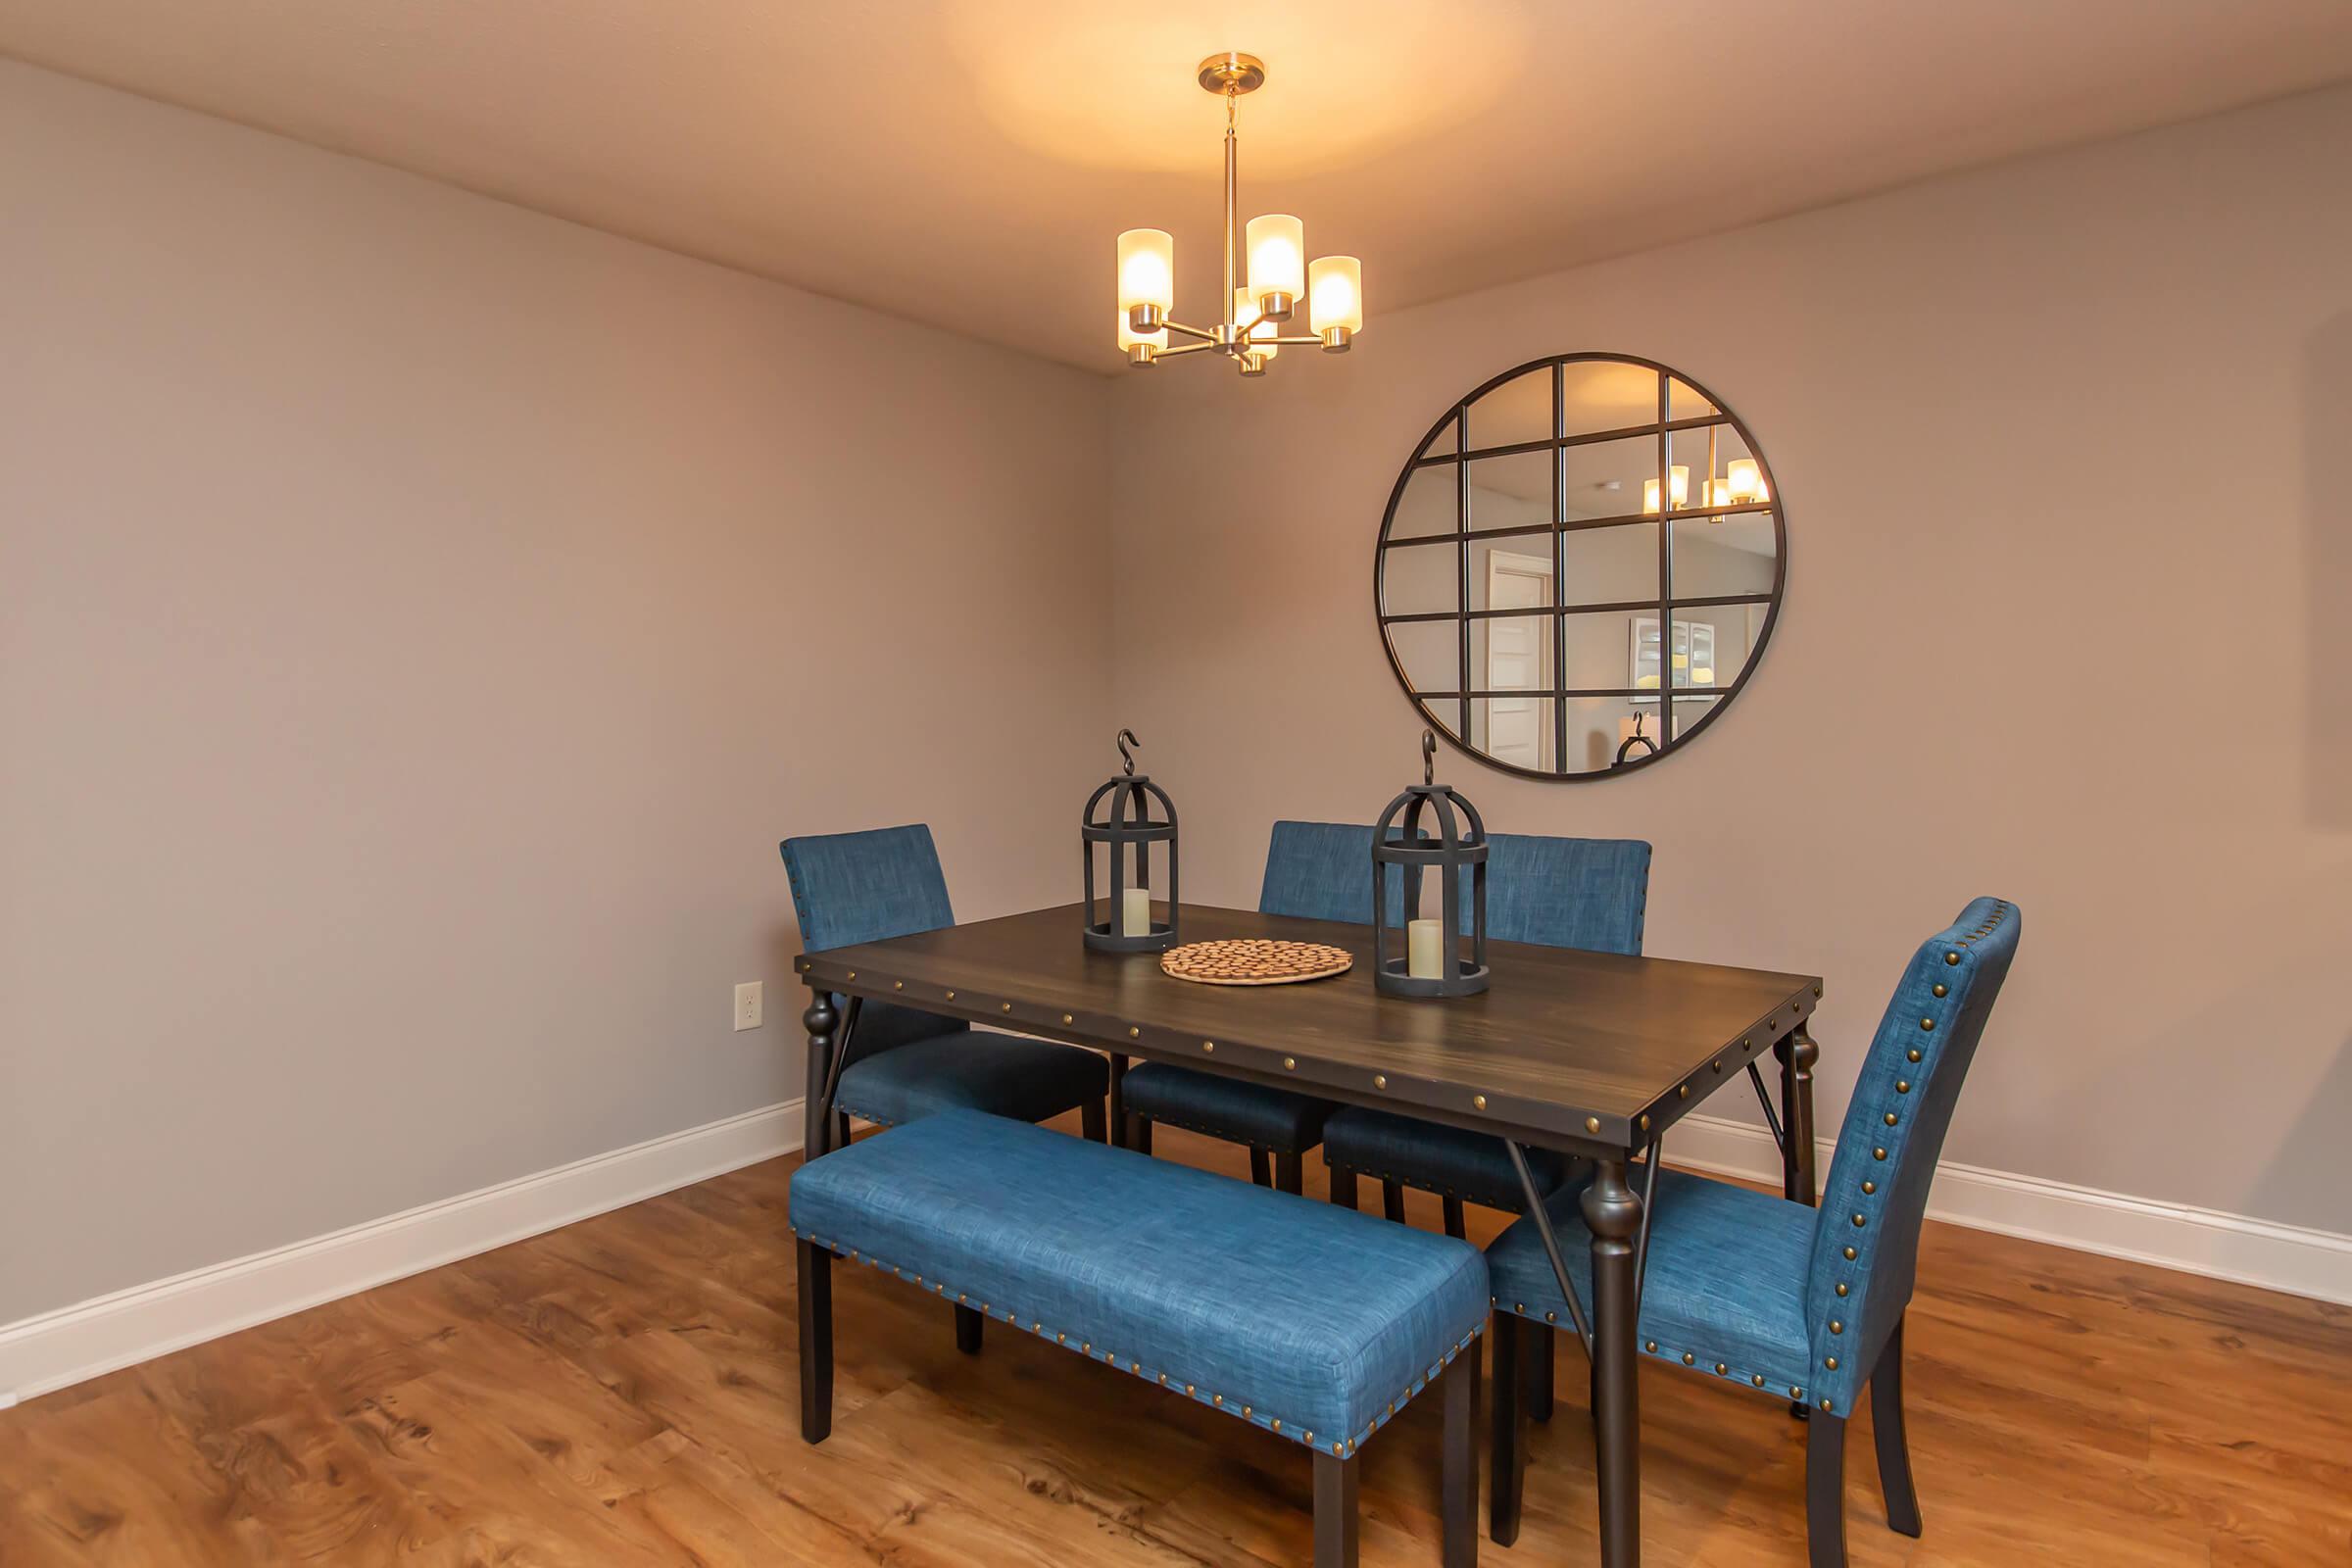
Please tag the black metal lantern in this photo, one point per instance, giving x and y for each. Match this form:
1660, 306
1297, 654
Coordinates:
1452, 842
1128, 825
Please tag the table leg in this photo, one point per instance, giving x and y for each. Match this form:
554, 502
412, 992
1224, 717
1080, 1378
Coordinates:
816, 1112
1119, 1102
1613, 1214
1797, 1052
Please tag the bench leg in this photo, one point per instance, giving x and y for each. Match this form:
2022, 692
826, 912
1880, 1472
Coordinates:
1140, 1136
1543, 1346
1456, 1224
1259, 1171
1343, 1187
1093, 1126
1459, 1508
967, 1329
1290, 1174
817, 1342
1391, 1202
1335, 1510
1506, 1387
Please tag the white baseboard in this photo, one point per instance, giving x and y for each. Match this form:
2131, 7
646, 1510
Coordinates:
2198, 1241
42, 1353
55, 1348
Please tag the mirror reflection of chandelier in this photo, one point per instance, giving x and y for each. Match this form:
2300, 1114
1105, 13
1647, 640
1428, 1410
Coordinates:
1743, 480
1260, 294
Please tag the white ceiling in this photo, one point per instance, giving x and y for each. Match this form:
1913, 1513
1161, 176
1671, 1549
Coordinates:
968, 162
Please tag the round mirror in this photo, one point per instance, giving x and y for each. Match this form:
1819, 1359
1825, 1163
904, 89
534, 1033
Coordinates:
1580, 567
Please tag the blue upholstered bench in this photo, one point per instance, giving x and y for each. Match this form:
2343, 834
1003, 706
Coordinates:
1310, 1322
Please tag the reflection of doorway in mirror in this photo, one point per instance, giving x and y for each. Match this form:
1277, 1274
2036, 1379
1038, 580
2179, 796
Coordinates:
1693, 656
1518, 730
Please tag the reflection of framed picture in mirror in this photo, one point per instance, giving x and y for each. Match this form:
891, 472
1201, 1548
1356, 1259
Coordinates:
1693, 656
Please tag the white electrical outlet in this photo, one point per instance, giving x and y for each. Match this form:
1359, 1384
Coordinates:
748, 1003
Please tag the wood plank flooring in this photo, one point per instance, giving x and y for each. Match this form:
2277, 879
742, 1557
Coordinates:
624, 1391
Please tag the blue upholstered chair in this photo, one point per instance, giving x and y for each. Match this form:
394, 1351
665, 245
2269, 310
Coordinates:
1560, 893
1314, 871
1769, 1296
904, 1063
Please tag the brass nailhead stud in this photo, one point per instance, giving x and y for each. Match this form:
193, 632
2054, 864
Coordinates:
1591, 1124
1796, 1393
1086, 1347
1065, 1017
1163, 1380
1721, 1370
1913, 1054
1942, 989
852, 974
1902, 1085
1817, 992
1218, 1399
1687, 1359
1645, 1124
1208, 1045
1849, 1254
1551, 1317
1841, 1287
1951, 958
1928, 1024
1758, 1379
1062, 1338
1307, 1438
1831, 1362
1244, 1410
1188, 1387
1478, 1102
1824, 1405
1277, 1423
1892, 1118
1719, 1064
1519, 1307
897, 985
1290, 1064
1859, 1222
1380, 1080
1869, 1188
1685, 1091
1132, 1034
1008, 1007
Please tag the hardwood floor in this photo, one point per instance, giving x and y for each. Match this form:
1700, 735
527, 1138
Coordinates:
624, 1392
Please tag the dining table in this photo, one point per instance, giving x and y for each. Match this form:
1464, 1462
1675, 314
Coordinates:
1594, 1054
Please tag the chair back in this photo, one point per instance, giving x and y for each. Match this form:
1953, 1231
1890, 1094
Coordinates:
1567, 893
1321, 871
868, 886
1876, 1199
1561, 892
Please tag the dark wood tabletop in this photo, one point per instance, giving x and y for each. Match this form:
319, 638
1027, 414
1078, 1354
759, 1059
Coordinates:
1586, 1051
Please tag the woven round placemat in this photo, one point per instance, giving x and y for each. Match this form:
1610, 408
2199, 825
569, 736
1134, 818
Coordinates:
1254, 961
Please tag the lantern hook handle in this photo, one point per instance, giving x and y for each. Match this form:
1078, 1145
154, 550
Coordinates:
1127, 738
1429, 756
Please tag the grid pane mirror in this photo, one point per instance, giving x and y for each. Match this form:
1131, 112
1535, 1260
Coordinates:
1580, 567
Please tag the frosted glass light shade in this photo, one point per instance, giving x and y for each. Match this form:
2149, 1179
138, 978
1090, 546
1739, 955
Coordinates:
1129, 337
1276, 244
1680, 477
1260, 336
1335, 293
1147, 270
1745, 479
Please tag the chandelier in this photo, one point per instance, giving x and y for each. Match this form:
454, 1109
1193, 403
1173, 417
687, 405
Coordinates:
1259, 295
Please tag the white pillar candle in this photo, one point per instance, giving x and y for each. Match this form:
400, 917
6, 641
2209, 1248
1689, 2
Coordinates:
1135, 914
1425, 949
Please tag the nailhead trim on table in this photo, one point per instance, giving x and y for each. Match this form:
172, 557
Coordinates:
1341, 1447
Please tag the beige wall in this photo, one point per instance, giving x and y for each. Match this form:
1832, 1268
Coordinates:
2063, 448
418, 621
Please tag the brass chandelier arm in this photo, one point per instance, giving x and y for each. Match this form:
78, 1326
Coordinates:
1183, 348
1188, 331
